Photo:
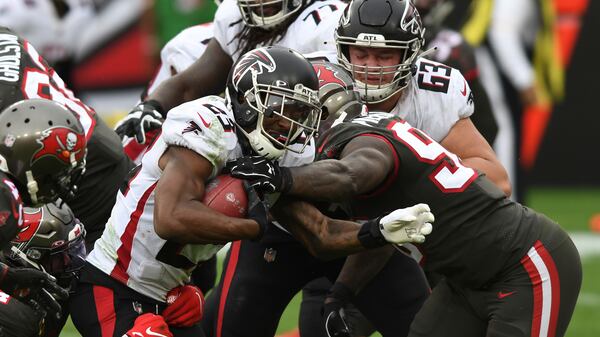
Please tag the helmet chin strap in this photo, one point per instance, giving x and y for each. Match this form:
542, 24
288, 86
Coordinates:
262, 145
32, 187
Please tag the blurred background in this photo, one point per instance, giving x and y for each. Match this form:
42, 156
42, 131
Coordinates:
537, 60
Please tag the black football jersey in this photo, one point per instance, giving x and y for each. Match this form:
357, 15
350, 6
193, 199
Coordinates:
11, 210
24, 74
471, 214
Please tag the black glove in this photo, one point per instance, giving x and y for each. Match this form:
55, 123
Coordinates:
146, 116
264, 175
257, 209
333, 311
14, 278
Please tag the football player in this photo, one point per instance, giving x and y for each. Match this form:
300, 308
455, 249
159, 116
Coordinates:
51, 239
159, 230
452, 50
509, 271
239, 26
42, 157
23, 75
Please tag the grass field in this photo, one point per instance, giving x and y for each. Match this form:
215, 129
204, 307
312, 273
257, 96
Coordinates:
573, 209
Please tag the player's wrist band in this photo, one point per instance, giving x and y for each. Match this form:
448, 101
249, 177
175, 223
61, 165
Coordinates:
370, 235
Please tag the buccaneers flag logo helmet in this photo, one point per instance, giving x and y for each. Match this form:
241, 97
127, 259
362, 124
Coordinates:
61, 142
43, 150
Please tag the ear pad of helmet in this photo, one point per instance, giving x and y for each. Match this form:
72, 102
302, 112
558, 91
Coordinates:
244, 115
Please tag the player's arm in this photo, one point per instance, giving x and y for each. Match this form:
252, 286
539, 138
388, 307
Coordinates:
180, 215
206, 76
364, 165
465, 141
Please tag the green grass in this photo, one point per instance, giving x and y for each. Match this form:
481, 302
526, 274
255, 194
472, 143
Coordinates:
572, 208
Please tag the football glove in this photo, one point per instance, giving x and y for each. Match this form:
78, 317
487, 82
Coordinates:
146, 116
334, 314
257, 209
149, 325
401, 226
14, 279
264, 175
185, 306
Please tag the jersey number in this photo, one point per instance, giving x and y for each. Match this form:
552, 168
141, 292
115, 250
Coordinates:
434, 77
316, 13
450, 176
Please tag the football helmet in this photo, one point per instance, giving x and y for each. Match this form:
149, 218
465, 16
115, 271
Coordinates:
53, 238
274, 82
267, 14
339, 97
394, 24
43, 147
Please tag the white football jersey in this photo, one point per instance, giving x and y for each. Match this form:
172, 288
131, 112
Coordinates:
181, 51
129, 249
311, 31
436, 98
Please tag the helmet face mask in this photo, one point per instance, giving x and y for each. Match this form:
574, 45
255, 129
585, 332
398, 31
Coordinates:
365, 26
43, 149
267, 14
276, 105
53, 238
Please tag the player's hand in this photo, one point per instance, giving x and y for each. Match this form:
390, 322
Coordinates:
144, 117
263, 174
257, 209
13, 278
185, 306
149, 325
401, 226
409, 224
334, 314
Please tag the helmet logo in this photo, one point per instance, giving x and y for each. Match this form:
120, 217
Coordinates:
257, 61
327, 75
61, 143
411, 21
31, 224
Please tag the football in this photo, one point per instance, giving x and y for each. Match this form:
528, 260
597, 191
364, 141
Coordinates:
226, 195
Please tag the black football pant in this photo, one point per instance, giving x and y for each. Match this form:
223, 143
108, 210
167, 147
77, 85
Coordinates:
534, 297
259, 280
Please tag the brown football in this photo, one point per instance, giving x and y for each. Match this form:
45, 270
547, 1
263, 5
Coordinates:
226, 194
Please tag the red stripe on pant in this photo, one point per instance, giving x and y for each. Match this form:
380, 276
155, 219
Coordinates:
546, 290
229, 272
105, 307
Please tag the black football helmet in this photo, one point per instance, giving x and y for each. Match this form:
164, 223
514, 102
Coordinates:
43, 147
339, 97
394, 24
267, 14
53, 238
269, 82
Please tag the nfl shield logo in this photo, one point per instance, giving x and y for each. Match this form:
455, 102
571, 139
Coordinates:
270, 255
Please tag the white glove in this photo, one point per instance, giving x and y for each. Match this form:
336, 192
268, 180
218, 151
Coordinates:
409, 224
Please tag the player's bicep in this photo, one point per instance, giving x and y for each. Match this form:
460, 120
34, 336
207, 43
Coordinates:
208, 75
184, 175
370, 160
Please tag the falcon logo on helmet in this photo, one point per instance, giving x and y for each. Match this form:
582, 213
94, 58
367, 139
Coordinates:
411, 21
61, 142
257, 61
